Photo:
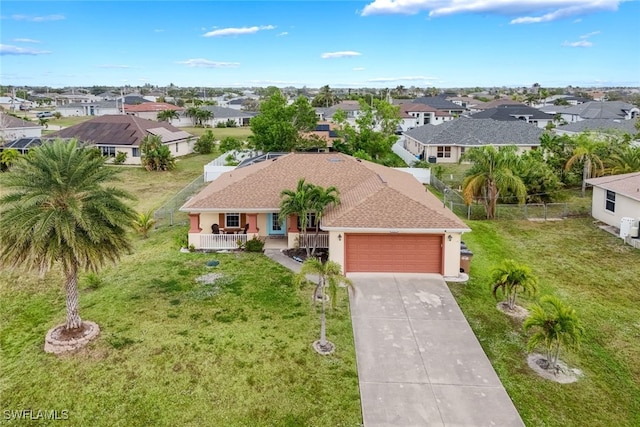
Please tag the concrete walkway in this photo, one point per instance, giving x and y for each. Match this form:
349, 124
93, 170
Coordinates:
419, 363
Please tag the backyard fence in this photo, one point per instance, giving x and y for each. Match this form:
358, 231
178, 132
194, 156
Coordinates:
169, 214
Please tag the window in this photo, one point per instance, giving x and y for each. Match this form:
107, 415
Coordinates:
311, 220
135, 151
108, 151
232, 220
276, 225
610, 203
176, 147
462, 150
444, 152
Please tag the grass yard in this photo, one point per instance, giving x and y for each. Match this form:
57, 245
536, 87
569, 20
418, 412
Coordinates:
241, 133
597, 275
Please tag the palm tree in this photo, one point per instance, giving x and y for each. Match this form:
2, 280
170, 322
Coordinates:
167, 115
511, 277
624, 160
192, 113
144, 222
203, 116
298, 202
155, 155
586, 151
556, 325
490, 175
43, 122
323, 198
329, 276
8, 157
59, 210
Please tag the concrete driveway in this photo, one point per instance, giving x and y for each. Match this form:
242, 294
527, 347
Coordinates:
419, 363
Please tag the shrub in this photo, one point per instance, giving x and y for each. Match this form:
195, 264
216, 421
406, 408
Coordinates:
120, 158
204, 145
221, 125
230, 143
231, 123
254, 245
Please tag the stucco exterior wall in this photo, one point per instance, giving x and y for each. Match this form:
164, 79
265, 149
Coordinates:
624, 207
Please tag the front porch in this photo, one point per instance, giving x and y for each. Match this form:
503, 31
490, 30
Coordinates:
233, 241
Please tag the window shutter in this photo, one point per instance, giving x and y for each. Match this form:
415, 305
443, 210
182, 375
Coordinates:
221, 220
243, 220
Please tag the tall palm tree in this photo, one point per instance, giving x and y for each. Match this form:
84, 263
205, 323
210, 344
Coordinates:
167, 115
59, 209
192, 113
490, 175
203, 116
586, 152
555, 325
298, 202
330, 278
511, 277
323, 198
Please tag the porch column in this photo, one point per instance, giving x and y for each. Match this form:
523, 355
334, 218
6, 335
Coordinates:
293, 224
194, 223
253, 223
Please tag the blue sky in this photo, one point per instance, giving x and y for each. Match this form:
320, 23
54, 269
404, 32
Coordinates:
374, 43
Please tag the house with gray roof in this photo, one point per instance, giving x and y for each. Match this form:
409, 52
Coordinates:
516, 112
83, 109
600, 110
13, 127
605, 126
447, 142
441, 103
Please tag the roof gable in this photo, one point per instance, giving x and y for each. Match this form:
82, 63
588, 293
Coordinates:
627, 184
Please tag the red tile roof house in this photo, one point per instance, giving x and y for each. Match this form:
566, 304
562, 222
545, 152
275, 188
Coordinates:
150, 110
124, 133
387, 221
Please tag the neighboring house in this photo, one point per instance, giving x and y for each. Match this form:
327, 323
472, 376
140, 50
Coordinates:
499, 103
472, 105
13, 103
124, 133
442, 104
235, 104
23, 145
614, 110
387, 221
150, 110
614, 126
616, 197
517, 112
415, 114
351, 108
13, 128
220, 115
447, 142
83, 109
326, 131
72, 98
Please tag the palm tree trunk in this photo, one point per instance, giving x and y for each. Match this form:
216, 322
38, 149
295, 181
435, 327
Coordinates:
323, 323
585, 175
493, 200
315, 240
71, 287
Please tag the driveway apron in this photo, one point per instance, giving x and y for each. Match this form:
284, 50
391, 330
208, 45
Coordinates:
419, 363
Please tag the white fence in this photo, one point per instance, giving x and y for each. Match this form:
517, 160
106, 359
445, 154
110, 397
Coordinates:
221, 241
323, 240
408, 157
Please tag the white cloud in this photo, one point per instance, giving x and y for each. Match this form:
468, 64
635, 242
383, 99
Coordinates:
205, 63
238, 31
284, 33
581, 43
398, 79
342, 54
38, 18
26, 41
591, 34
114, 66
6, 49
534, 11
358, 69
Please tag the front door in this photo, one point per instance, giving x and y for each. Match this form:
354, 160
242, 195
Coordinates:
275, 226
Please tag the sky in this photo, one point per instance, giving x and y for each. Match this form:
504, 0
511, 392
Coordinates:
373, 43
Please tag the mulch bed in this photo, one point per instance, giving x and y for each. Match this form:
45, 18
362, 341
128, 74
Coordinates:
302, 254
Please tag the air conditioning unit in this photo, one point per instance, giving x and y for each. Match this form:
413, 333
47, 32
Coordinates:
626, 224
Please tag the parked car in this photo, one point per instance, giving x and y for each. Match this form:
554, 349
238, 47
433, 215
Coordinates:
44, 114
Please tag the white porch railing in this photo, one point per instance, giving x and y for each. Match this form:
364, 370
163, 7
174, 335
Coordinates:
323, 240
221, 241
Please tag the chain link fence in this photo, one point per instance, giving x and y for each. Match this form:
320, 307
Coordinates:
169, 214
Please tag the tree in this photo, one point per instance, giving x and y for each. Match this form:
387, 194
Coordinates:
541, 182
555, 325
325, 98
322, 199
59, 209
155, 155
329, 276
624, 160
298, 202
586, 152
230, 143
490, 175
511, 277
7, 158
144, 222
203, 116
279, 127
43, 122
167, 115
204, 144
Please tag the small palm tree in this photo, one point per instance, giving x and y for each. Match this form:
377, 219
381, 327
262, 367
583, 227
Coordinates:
155, 155
323, 198
7, 158
624, 160
511, 277
586, 152
167, 115
330, 278
58, 209
555, 324
298, 202
144, 222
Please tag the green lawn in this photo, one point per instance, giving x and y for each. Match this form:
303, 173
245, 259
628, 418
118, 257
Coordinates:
220, 133
596, 274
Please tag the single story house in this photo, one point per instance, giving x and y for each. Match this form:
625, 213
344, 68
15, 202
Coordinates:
387, 221
150, 110
97, 108
13, 128
220, 115
616, 197
447, 142
614, 110
511, 112
124, 133
610, 126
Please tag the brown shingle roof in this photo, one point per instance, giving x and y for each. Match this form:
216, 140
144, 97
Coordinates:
627, 184
372, 196
11, 122
120, 130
